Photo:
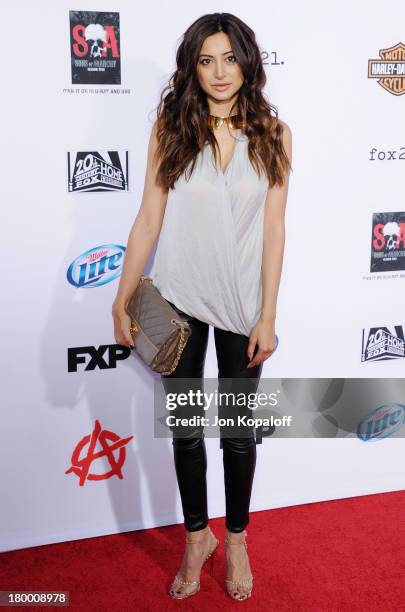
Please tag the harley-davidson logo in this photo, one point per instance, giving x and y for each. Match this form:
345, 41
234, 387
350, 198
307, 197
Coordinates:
390, 69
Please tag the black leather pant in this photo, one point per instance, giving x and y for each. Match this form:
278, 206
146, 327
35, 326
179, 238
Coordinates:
239, 453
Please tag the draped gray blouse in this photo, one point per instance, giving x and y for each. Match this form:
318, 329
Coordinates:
209, 254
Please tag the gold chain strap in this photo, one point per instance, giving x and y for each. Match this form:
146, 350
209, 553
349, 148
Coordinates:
179, 348
134, 328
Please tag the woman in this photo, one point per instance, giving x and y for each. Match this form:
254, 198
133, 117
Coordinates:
220, 161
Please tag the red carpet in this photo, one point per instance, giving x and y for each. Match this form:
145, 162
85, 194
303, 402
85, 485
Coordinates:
335, 556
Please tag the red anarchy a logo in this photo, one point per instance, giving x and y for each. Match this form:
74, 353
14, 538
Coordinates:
109, 443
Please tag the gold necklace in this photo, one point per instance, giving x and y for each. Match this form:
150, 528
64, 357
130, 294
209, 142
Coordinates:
234, 122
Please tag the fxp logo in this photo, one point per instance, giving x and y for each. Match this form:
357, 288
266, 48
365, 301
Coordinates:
97, 266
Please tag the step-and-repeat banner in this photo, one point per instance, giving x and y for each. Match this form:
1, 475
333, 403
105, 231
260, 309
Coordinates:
79, 454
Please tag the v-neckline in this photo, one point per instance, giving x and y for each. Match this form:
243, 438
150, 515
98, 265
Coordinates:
223, 172
219, 169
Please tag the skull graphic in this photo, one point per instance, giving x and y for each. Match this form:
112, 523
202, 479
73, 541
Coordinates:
392, 231
95, 35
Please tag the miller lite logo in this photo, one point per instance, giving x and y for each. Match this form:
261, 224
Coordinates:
97, 266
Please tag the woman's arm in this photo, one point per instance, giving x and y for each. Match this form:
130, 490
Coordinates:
143, 234
274, 238
263, 332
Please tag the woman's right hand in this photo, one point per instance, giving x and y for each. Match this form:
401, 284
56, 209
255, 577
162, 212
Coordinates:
122, 324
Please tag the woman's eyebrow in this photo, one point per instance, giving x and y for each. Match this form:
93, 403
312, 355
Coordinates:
206, 54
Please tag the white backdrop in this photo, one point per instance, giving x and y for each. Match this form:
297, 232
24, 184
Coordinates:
318, 79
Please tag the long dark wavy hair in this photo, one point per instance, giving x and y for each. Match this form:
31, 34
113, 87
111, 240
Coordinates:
182, 113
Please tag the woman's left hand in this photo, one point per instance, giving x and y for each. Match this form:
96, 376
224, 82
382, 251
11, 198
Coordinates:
264, 335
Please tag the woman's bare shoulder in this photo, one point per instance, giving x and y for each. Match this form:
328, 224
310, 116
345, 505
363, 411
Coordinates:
286, 127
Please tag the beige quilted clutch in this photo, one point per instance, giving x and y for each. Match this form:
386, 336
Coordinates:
158, 331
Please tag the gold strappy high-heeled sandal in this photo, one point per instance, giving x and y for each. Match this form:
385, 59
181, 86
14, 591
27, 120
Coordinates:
178, 581
232, 585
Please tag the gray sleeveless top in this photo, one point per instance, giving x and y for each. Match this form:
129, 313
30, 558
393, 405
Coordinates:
209, 254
